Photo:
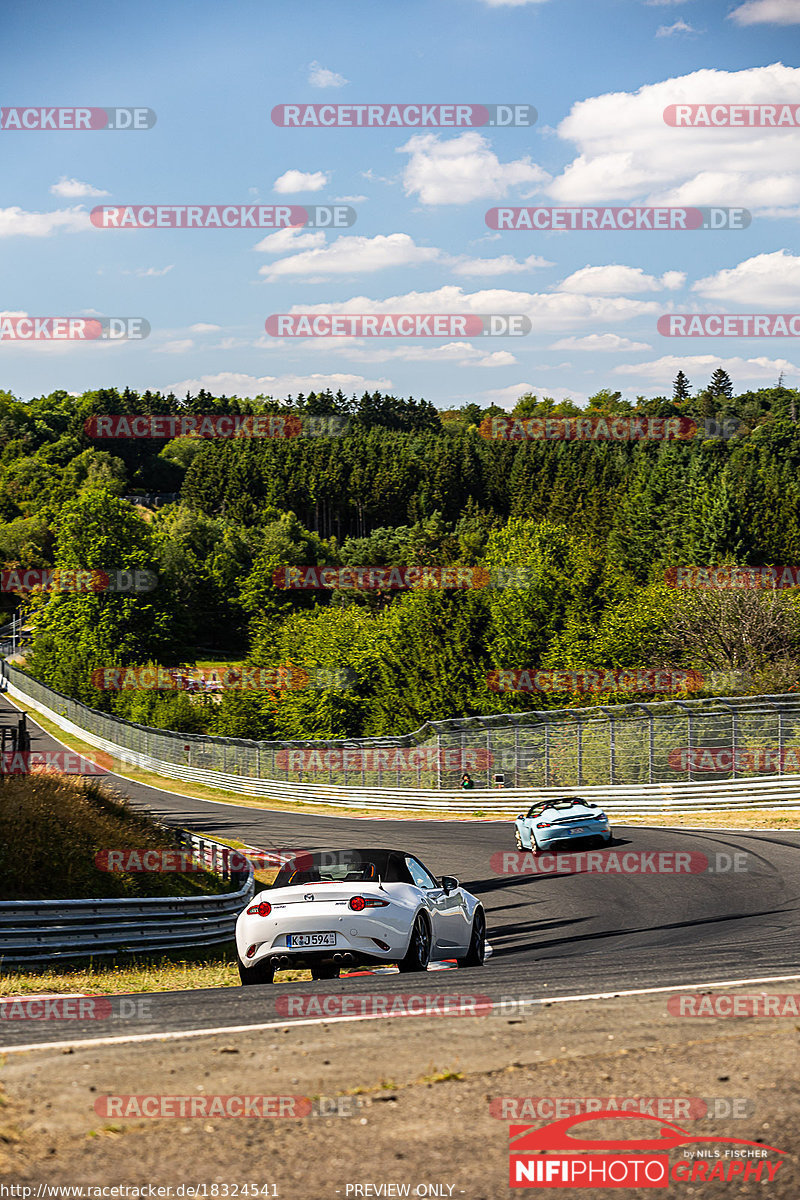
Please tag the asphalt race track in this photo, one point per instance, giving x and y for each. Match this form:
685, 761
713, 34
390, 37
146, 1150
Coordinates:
552, 935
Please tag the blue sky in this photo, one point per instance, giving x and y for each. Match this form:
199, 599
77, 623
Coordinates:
599, 72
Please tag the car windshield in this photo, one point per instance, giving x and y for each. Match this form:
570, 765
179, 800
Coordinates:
342, 866
559, 805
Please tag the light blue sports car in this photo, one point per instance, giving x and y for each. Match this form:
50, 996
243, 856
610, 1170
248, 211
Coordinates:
548, 822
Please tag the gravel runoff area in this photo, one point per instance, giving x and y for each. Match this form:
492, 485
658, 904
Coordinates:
411, 1097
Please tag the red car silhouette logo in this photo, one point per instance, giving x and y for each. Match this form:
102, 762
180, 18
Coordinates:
526, 1139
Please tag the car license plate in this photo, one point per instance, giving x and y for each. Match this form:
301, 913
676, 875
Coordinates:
294, 940
579, 829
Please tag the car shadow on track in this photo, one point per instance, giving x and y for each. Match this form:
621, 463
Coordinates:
602, 934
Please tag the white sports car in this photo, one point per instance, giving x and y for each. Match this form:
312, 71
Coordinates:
335, 908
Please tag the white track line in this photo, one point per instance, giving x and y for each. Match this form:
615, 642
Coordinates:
174, 1035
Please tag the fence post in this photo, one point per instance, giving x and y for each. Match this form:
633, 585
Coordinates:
547, 754
780, 741
612, 772
580, 754
516, 755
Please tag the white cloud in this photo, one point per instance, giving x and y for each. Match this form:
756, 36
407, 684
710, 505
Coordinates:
767, 12
498, 358
202, 327
231, 383
614, 279
15, 222
350, 199
661, 3
459, 354
662, 371
680, 26
300, 181
462, 169
626, 152
321, 77
352, 255
73, 189
290, 239
151, 272
767, 280
505, 264
600, 342
548, 311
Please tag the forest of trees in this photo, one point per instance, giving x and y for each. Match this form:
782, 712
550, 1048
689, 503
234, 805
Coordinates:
597, 523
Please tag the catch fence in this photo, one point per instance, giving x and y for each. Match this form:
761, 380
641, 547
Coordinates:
631, 745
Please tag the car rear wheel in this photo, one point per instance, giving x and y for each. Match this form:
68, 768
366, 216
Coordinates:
260, 972
324, 971
476, 954
518, 839
419, 948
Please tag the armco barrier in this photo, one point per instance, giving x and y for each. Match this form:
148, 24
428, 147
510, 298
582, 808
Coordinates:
130, 744
34, 931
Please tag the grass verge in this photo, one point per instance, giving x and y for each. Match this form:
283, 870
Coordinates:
52, 828
129, 974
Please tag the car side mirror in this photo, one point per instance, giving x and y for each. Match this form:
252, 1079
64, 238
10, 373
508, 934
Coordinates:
520, 816
449, 883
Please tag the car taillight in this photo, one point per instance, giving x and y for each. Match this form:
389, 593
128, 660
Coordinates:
359, 903
251, 951
543, 825
262, 910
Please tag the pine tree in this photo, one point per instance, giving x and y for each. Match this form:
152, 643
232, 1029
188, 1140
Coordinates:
680, 387
721, 385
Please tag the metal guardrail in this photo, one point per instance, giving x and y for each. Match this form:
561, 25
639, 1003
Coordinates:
751, 720
34, 931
